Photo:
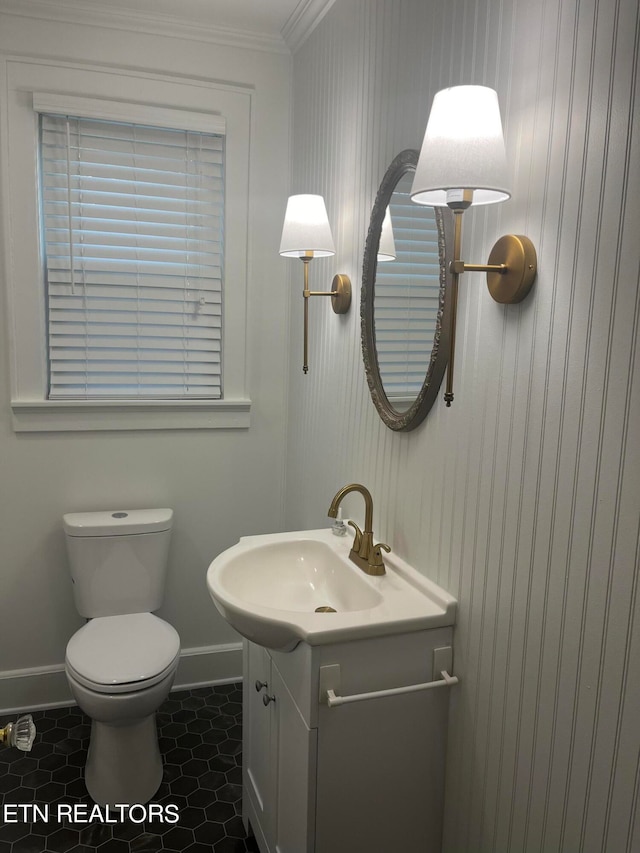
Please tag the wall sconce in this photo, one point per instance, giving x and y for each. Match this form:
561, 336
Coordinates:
306, 234
462, 163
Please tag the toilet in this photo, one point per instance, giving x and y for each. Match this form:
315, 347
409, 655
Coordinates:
121, 664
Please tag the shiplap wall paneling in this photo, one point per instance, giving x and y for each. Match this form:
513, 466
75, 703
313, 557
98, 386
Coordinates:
523, 499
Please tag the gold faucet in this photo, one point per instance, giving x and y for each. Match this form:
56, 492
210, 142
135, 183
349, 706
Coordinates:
364, 553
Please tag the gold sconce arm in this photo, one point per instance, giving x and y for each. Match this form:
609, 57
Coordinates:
305, 361
340, 294
511, 272
461, 266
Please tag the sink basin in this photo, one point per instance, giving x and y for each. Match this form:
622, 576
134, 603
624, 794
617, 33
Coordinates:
280, 589
296, 574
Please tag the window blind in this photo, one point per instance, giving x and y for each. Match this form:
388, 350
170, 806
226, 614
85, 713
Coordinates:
407, 299
133, 223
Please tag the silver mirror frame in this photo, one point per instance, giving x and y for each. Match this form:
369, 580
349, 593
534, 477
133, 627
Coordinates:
408, 420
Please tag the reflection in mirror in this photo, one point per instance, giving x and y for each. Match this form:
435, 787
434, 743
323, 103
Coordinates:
407, 297
387, 247
404, 300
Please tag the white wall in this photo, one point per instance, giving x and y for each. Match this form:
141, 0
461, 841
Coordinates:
221, 483
523, 498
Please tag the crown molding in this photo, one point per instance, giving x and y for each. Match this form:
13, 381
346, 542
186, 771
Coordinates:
303, 20
130, 20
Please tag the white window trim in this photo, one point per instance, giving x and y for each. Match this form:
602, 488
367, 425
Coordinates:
178, 119
159, 102
105, 415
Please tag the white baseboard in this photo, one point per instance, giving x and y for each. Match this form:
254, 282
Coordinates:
205, 665
37, 688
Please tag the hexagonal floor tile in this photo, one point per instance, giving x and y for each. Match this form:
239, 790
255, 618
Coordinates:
200, 736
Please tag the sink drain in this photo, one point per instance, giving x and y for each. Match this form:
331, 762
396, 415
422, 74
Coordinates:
325, 609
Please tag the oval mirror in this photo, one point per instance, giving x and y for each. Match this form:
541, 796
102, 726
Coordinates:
405, 300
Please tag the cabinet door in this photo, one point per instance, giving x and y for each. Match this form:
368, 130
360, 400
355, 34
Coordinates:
381, 774
259, 769
295, 748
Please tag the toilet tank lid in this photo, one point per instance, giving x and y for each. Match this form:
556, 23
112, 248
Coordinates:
117, 522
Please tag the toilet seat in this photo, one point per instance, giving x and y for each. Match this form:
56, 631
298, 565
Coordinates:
121, 654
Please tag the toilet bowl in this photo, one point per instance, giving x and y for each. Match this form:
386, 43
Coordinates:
121, 664
120, 669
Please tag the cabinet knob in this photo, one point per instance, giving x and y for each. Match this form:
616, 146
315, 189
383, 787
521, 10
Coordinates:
266, 699
260, 685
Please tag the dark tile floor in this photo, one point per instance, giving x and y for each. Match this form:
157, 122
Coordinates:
201, 743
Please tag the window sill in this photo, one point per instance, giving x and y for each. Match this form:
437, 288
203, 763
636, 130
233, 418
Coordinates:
107, 415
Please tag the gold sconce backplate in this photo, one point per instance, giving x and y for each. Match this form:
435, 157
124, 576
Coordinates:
341, 293
518, 254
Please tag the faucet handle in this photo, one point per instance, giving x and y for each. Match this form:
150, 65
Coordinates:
358, 537
376, 554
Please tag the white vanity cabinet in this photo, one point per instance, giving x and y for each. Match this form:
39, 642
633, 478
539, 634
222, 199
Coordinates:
367, 776
279, 755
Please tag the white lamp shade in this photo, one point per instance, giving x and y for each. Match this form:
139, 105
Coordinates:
306, 228
387, 246
463, 148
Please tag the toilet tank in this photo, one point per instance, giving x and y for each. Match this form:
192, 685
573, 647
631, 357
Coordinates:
118, 560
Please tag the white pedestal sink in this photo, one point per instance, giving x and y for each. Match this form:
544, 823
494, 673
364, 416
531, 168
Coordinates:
269, 588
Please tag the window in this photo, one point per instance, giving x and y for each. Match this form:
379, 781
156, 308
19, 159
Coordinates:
133, 243
136, 327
